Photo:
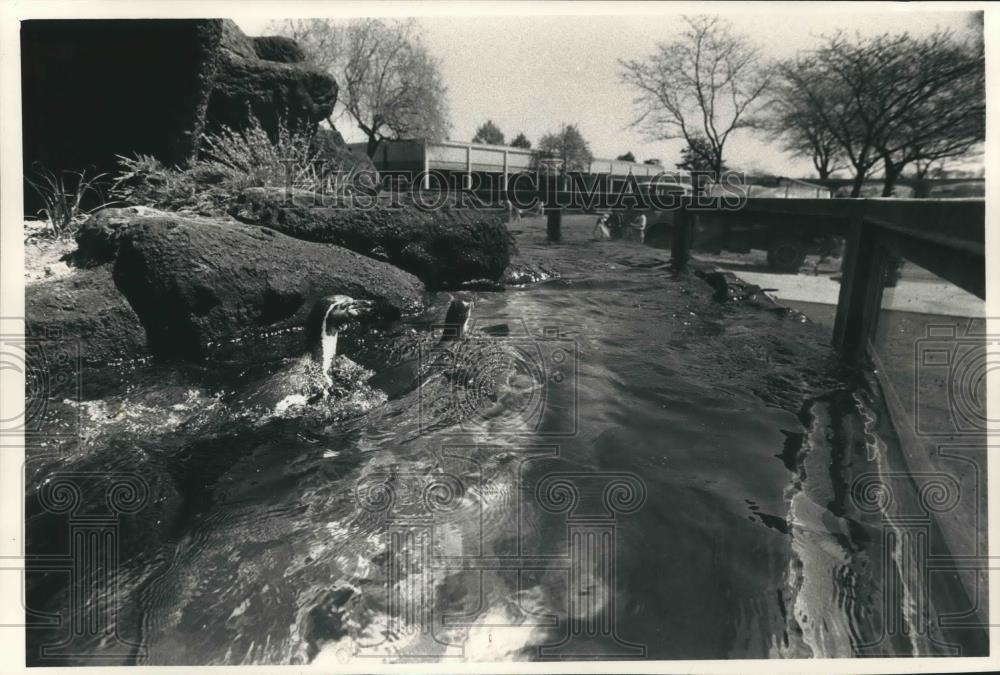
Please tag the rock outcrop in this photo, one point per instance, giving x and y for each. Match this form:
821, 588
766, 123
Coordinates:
273, 91
445, 248
153, 87
196, 282
95, 89
79, 321
278, 48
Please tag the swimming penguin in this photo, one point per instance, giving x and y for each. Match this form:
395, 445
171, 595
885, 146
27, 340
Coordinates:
456, 321
320, 375
477, 378
328, 317
418, 353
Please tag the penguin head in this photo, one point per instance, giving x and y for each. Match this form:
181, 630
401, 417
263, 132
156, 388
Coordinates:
332, 313
341, 309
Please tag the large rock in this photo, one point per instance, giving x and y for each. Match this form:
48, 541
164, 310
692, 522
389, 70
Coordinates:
95, 89
195, 282
79, 321
445, 247
153, 87
278, 48
246, 85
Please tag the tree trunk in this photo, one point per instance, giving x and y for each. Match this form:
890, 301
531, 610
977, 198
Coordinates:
892, 172
821, 163
859, 180
373, 144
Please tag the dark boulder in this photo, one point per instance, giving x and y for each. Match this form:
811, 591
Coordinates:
98, 237
198, 282
245, 85
95, 89
79, 321
278, 48
445, 247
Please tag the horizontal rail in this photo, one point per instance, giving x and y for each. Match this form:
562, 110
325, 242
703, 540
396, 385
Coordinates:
946, 237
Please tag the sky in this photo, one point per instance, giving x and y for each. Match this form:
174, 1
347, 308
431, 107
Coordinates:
533, 73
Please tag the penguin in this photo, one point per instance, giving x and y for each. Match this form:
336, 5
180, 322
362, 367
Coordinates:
320, 375
483, 376
456, 321
405, 375
327, 318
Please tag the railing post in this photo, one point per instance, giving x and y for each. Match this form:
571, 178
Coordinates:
427, 168
553, 224
860, 287
468, 167
680, 247
553, 211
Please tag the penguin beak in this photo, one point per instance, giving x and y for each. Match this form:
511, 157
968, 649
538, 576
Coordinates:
360, 308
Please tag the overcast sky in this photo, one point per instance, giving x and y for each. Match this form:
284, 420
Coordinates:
531, 73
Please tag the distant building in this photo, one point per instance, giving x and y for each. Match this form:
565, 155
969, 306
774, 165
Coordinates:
452, 157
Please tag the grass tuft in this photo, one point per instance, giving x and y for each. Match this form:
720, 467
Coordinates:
230, 161
64, 195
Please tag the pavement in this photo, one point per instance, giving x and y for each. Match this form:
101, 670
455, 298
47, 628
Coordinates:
816, 284
921, 296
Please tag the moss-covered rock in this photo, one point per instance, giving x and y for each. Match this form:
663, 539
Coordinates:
272, 91
78, 321
444, 248
197, 282
278, 48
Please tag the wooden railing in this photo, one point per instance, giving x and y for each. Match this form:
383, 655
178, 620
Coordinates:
946, 237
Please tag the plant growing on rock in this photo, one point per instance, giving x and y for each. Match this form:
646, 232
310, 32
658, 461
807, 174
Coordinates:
65, 195
230, 162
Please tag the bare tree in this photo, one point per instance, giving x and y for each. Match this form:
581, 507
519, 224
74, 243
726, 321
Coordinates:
704, 85
891, 99
698, 156
833, 102
802, 132
945, 116
390, 85
322, 40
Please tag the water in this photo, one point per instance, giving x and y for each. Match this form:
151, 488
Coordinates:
618, 467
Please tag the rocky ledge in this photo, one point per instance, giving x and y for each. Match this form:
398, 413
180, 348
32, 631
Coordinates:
173, 286
445, 247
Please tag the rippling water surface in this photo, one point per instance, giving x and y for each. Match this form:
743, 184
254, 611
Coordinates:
612, 465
